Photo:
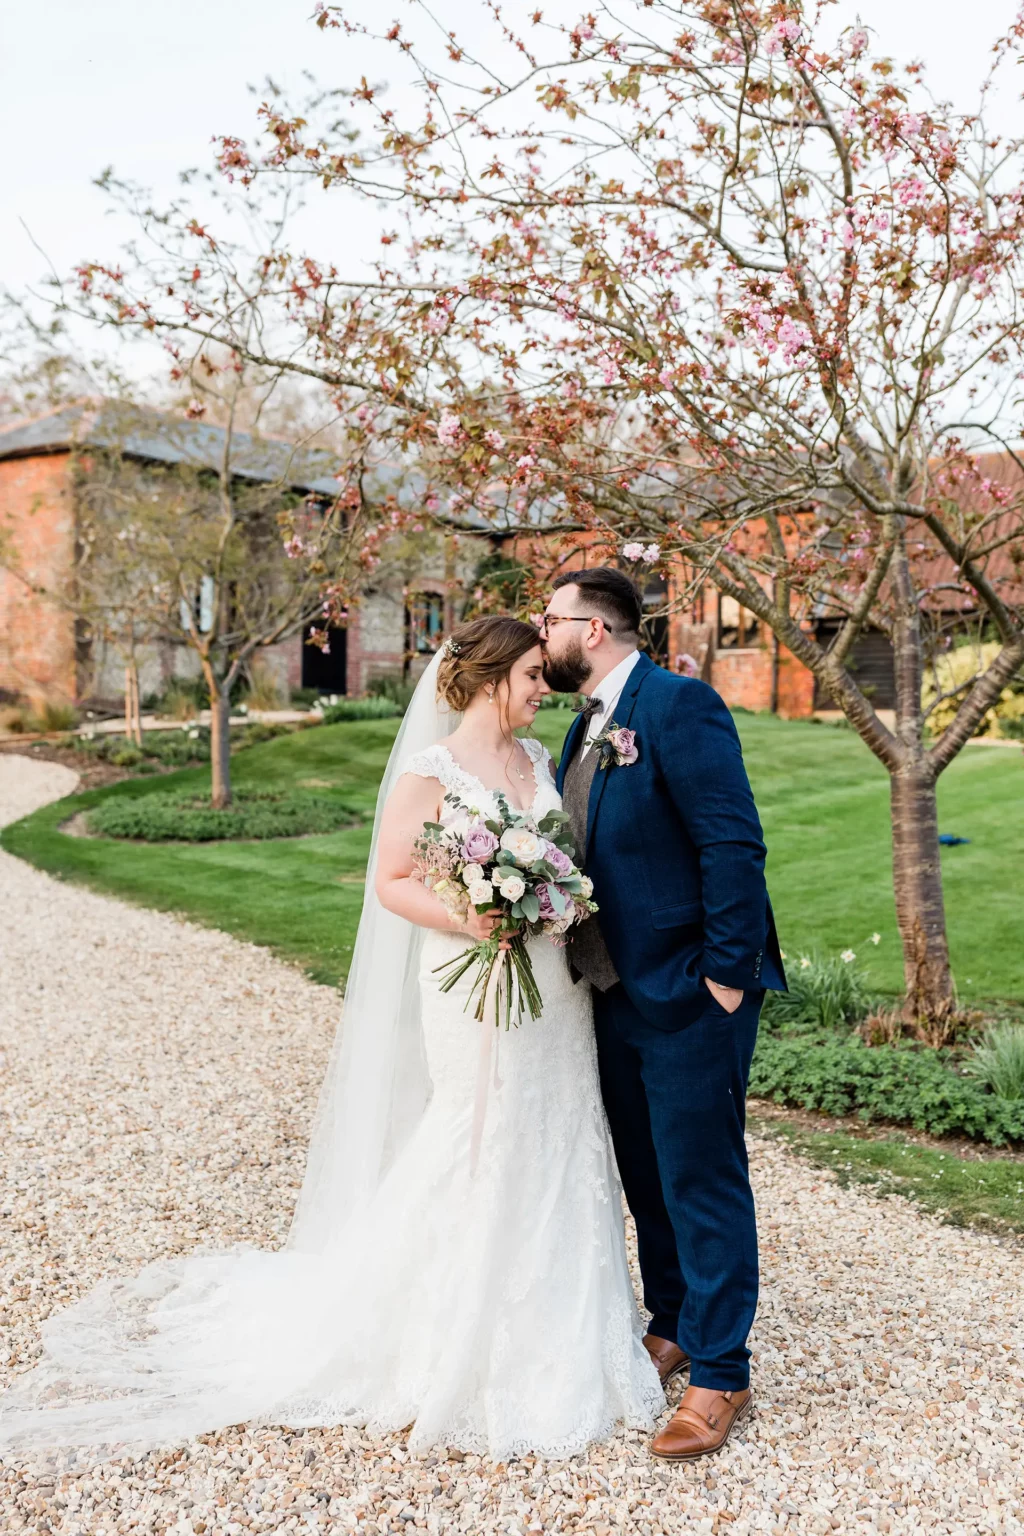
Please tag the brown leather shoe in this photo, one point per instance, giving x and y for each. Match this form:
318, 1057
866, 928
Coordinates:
668, 1358
702, 1423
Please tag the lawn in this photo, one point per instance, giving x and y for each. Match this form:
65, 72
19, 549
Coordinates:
823, 801
973, 1191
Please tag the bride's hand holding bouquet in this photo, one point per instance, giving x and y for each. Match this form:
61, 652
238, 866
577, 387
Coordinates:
508, 877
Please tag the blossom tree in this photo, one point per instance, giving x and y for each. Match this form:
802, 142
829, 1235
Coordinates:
708, 284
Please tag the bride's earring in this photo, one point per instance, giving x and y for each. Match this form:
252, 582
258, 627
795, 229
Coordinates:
490, 696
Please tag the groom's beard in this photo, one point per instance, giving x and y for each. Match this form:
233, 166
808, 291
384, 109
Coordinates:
570, 671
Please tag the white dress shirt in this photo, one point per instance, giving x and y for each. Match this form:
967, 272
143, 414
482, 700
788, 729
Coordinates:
608, 692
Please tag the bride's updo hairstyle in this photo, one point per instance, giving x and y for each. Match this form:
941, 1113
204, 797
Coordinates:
481, 652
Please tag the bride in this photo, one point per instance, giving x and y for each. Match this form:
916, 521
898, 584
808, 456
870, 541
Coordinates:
457, 1260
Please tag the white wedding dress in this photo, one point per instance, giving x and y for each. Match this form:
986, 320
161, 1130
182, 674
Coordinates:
477, 1290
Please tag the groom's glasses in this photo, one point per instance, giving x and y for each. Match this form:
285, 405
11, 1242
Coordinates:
568, 618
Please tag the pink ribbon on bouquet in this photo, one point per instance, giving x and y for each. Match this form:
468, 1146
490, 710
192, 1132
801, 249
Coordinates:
488, 1049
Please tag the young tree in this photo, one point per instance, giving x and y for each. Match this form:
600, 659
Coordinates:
705, 282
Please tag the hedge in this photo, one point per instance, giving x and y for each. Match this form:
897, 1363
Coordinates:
188, 817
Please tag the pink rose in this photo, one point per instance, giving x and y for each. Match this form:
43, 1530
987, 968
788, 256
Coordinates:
560, 862
543, 894
624, 743
479, 844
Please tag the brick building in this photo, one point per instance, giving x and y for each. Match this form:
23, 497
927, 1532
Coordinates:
43, 653
396, 626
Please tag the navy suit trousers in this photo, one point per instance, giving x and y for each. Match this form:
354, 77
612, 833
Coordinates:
676, 1108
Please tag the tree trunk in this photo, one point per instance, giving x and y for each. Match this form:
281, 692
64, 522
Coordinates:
220, 748
917, 882
917, 872
132, 715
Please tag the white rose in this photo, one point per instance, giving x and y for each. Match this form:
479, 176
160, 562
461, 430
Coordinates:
524, 846
480, 892
512, 887
586, 887
472, 875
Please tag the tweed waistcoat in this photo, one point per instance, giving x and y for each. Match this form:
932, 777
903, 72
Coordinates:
588, 952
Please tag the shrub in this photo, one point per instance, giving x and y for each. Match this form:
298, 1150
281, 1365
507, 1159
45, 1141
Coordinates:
378, 707
254, 733
14, 720
53, 715
823, 994
304, 698
187, 817
906, 1085
125, 755
390, 687
561, 700
954, 671
183, 699
997, 1061
264, 691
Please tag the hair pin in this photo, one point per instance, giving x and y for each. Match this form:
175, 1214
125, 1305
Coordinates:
451, 647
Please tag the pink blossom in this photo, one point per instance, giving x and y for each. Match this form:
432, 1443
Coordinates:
632, 551
494, 439
785, 31
432, 503
609, 369
910, 124
526, 461
847, 235
195, 409
793, 338
437, 321
294, 547
687, 665
449, 429
881, 223
910, 191
666, 378
651, 554
857, 41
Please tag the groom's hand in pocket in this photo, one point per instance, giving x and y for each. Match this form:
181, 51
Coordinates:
728, 998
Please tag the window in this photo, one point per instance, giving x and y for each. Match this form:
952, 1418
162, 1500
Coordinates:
737, 626
202, 607
424, 622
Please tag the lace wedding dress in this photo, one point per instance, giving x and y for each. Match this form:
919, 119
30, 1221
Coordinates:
479, 1294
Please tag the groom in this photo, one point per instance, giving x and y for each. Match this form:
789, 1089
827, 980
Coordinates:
679, 957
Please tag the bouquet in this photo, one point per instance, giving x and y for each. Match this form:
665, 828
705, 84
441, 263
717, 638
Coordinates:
524, 867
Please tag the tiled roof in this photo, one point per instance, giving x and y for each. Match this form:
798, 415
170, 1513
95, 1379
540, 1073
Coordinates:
143, 433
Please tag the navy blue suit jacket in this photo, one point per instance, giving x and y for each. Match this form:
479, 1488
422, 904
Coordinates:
675, 852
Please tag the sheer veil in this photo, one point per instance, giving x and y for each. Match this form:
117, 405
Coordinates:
190, 1345
376, 1084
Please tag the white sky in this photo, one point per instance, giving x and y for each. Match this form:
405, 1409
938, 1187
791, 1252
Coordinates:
144, 85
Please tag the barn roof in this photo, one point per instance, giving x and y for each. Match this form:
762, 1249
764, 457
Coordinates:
141, 432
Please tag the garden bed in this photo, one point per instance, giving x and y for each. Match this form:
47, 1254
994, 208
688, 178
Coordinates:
185, 816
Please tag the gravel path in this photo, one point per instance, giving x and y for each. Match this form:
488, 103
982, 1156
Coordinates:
156, 1083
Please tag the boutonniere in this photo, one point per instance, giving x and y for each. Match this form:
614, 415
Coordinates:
616, 747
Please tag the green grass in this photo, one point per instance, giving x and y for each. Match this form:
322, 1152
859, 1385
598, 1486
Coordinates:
823, 800
978, 1192
824, 803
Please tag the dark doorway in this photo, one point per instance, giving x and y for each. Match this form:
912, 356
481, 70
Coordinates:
870, 661
325, 670
654, 628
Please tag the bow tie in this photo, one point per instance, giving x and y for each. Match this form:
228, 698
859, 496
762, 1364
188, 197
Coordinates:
588, 710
